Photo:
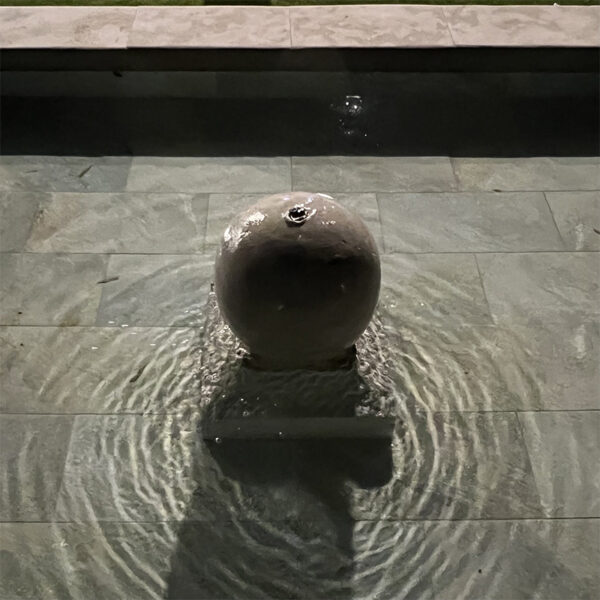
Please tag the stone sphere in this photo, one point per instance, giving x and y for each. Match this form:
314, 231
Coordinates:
297, 279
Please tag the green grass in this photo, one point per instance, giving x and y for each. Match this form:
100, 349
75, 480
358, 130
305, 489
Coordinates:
274, 2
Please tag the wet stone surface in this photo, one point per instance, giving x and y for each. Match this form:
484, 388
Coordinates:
484, 351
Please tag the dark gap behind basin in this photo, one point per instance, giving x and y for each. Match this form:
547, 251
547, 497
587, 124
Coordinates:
300, 111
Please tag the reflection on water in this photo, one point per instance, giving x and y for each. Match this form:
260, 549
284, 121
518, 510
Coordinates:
297, 518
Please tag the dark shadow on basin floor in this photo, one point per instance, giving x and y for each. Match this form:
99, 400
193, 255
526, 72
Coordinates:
265, 553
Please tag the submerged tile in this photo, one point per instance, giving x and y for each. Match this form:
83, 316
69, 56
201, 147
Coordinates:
577, 216
98, 369
561, 362
565, 453
366, 26
18, 211
50, 289
372, 174
64, 173
531, 173
211, 27
209, 174
538, 287
161, 290
143, 223
223, 207
433, 288
53, 561
33, 456
471, 222
520, 560
128, 468
452, 466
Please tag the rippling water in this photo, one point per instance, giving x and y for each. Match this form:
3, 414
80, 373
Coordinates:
292, 517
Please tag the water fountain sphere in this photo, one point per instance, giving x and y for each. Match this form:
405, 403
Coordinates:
297, 279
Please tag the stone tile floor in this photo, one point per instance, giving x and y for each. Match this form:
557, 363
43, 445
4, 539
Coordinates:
491, 280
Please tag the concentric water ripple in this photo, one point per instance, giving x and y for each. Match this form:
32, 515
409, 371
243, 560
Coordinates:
292, 518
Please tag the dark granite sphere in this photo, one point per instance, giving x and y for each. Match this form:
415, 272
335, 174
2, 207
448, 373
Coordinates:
297, 279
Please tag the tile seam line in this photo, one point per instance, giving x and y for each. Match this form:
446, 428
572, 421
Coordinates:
291, 33
447, 21
554, 220
10, 190
131, 28
176, 413
210, 255
485, 296
528, 453
361, 520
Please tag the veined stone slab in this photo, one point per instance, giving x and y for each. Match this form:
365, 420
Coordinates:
577, 216
116, 223
50, 289
369, 26
209, 174
467, 222
373, 174
524, 26
211, 27
65, 26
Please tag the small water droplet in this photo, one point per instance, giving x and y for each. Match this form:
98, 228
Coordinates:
124, 325
94, 347
246, 413
218, 440
281, 434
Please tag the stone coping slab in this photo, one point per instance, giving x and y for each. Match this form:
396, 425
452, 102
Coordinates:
263, 27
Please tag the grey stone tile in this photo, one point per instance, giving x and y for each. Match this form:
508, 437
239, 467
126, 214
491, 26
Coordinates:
577, 216
161, 290
33, 456
223, 207
98, 370
524, 25
211, 27
209, 174
366, 26
517, 560
17, 214
468, 222
54, 561
129, 468
65, 26
50, 289
64, 173
538, 287
565, 452
372, 174
131, 223
547, 366
433, 288
562, 360
532, 173
449, 466
395, 559
452, 367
